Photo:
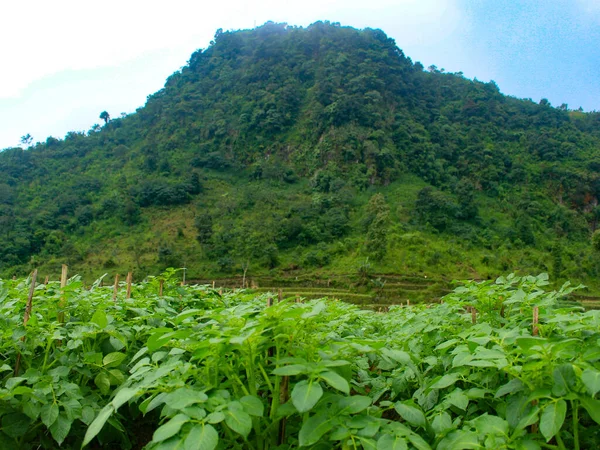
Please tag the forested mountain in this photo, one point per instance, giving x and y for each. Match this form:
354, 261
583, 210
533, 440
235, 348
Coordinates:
286, 149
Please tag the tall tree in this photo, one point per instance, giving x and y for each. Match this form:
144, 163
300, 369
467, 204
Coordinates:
105, 116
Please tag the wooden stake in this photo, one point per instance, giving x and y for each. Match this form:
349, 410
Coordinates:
213, 284
279, 295
298, 298
407, 302
116, 288
160, 287
129, 280
269, 302
27, 315
46, 280
536, 315
474, 315
62, 302
30, 298
283, 397
221, 291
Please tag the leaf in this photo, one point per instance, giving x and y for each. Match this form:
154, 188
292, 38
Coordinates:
459, 440
445, 381
49, 413
252, 405
411, 413
552, 418
306, 394
592, 406
15, 425
391, 442
201, 437
335, 381
171, 428
354, 404
458, 398
102, 382
123, 396
183, 397
97, 424
239, 421
293, 369
514, 385
441, 423
100, 319
314, 428
591, 380
490, 425
113, 359
60, 429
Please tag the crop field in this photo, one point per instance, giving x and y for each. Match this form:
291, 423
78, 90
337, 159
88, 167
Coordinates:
502, 364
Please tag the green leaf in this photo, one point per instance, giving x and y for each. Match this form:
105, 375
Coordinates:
123, 396
306, 394
171, 428
459, 440
60, 428
183, 397
591, 380
514, 385
592, 406
97, 424
335, 381
391, 442
252, 405
215, 417
442, 423
354, 404
490, 425
411, 413
314, 428
49, 413
445, 381
239, 421
293, 369
102, 382
201, 437
552, 418
100, 319
113, 359
15, 425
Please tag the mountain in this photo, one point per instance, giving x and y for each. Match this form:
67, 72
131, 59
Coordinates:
288, 149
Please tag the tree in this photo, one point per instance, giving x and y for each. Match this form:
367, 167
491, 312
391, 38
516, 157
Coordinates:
105, 116
27, 139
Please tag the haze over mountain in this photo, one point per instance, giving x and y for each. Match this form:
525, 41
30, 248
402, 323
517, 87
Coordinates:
287, 148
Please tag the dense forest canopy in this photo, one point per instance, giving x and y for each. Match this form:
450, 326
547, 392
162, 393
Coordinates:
285, 148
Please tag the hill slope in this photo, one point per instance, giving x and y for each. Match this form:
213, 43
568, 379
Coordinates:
285, 148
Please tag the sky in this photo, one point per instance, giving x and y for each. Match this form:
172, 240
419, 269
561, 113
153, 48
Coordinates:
65, 61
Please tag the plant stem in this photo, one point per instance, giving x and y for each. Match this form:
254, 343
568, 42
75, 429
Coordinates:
575, 408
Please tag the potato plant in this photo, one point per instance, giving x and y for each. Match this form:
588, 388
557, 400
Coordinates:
196, 369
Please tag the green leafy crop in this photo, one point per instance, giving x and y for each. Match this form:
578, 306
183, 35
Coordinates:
196, 369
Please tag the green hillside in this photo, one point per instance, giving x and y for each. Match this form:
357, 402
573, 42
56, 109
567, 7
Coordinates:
287, 151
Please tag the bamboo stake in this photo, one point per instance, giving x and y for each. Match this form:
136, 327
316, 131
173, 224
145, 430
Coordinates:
279, 295
536, 315
129, 279
474, 315
407, 302
160, 287
298, 298
213, 284
116, 288
46, 280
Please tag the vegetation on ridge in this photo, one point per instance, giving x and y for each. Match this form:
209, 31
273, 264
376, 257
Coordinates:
284, 148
